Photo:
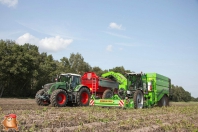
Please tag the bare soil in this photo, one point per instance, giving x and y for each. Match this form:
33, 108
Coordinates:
176, 117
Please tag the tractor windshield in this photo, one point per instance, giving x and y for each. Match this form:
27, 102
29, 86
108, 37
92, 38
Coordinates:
134, 81
64, 78
70, 79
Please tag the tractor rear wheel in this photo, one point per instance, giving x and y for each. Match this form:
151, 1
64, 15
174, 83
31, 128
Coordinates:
138, 99
40, 101
164, 101
107, 94
59, 98
83, 97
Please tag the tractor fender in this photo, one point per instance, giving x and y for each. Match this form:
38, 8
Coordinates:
77, 88
57, 85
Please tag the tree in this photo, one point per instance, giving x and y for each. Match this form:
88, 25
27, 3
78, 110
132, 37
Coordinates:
18, 67
97, 70
46, 71
179, 94
120, 70
74, 64
23, 70
64, 65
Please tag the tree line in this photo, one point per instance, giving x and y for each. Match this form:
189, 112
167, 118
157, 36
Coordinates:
181, 95
24, 70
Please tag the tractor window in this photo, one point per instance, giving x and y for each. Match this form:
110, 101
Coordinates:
76, 81
64, 78
134, 82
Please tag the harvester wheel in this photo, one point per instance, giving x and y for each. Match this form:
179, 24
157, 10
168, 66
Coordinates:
40, 101
107, 94
83, 97
138, 99
164, 101
59, 98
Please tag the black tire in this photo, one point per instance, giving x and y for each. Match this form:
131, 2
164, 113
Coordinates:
167, 99
40, 101
107, 94
138, 99
164, 101
83, 97
59, 98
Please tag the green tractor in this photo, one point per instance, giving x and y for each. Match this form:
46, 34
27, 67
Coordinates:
66, 90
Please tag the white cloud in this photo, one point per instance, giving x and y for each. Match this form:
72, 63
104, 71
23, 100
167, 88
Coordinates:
55, 43
113, 25
118, 35
52, 31
109, 48
9, 3
27, 38
120, 48
51, 44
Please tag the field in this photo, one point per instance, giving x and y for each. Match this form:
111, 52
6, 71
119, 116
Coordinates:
178, 117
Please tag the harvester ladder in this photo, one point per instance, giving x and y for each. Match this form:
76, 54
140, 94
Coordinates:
94, 88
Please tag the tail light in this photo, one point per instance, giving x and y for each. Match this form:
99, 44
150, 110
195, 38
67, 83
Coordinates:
149, 86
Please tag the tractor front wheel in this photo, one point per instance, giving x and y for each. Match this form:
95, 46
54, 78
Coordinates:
107, 94
138, 99
83, 97
59, 98
40, 101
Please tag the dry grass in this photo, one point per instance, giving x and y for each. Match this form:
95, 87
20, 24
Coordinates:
177, 117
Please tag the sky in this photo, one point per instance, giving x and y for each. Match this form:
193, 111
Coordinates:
149, 35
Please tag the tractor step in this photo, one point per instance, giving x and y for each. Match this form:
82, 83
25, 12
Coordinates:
73, 97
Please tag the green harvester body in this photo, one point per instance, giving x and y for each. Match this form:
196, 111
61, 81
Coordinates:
138, 91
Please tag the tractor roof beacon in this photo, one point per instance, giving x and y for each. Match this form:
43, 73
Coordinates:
67, 90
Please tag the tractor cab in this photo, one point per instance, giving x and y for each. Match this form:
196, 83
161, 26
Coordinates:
136, 81
71, 80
